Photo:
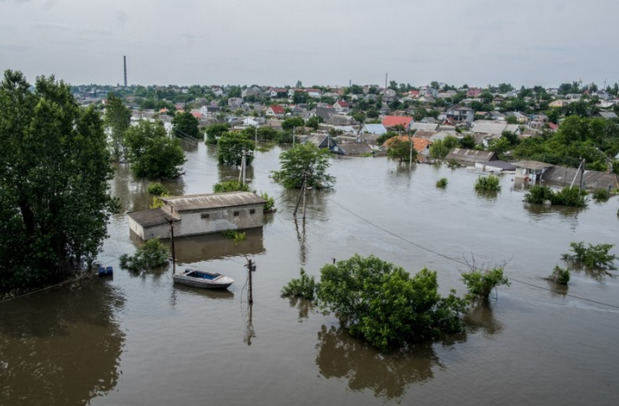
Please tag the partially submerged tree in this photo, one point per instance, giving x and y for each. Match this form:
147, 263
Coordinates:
232, 145
481, 283
304, 287
593, 257
117, 118
54, 172
560, 276
488, 184
214, 131
230, 186
381, 303
151, 255
151, 153
185, 125
402, 150
304, 161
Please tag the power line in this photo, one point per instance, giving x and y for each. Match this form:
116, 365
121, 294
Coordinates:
461, 262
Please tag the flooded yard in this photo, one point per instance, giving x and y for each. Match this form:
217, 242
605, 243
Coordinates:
137, 339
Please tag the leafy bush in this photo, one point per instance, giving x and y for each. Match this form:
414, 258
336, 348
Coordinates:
572, 197
157, 189
487, 184
594, 257
400, 149
539, 194
601, 195
480, 283
237, 236
381, 139
269, 204
303, 287
441, 183
560, 276
150, 255
567, 196
381, 303
230, 186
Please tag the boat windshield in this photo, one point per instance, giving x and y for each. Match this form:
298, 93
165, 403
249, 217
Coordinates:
203, 275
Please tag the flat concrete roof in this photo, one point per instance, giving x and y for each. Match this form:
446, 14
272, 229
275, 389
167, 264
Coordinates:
151, 217
212, 201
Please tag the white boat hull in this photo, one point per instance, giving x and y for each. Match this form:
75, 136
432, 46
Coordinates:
217, 282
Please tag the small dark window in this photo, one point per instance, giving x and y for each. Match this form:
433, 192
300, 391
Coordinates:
252, 211
236, 214
205, 215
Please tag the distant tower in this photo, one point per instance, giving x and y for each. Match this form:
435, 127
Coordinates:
125, 68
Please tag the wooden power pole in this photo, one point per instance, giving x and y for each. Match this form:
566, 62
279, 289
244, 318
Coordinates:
171, 222
251, 268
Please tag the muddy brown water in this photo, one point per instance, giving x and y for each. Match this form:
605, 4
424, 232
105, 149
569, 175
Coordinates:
137, 339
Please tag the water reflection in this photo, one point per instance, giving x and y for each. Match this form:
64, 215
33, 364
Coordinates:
386, 375
302, 305
250, 331
189, 144
58, 348
215, 246
301, 239
481, 317
227, 173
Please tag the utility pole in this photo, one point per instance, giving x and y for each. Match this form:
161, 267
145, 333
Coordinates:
171, 222
125, 68
242, 176
301, 194
410, 154
582, 175
251, 267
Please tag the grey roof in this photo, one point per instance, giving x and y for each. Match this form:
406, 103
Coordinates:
212, 201
563, 176
151, 217
534, 165
470, 155
423, 126
503, 165
375, 129
354, 148
608, 114
489, 126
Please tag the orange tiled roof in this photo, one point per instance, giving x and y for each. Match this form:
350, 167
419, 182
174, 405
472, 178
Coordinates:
419, 144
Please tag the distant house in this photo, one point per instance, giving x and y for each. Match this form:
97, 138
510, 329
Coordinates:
278, 92
354, 148
341, 106
423, 126
275, 110
608, 115
394, 121
235, 102
421, 145
460, 114
322, 141
199, 214
473, 92
530, 171
558, 103
470, 156
325, 112
495, 166
377, 129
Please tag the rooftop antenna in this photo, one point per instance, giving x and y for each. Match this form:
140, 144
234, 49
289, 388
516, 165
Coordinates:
125, 68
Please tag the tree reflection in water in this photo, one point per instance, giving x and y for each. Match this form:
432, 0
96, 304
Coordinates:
303, 306
60, 347
387, 375
481, 317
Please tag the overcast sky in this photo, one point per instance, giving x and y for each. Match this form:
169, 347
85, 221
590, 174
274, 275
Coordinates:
327, 42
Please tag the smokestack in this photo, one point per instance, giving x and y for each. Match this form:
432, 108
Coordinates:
125, 68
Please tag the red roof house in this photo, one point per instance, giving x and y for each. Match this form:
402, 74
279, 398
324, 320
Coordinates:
392, 121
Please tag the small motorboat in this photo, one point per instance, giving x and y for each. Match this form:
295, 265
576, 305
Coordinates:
203, 279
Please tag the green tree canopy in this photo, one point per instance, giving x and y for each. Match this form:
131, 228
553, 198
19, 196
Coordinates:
230, 147
185, 125
117, 118
304, 160
292, 122
214, 131
401, 150
54, 172
381, 303
151, 153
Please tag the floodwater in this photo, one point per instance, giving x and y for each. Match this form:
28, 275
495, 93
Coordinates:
137, 339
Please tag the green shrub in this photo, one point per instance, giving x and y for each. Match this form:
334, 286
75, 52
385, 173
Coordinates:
441, 183
572, 197
594, 257
601, 195
480, 283
381, 303
237, 236
269, 204
303, 287
150, 255
157, 189
487, 184
230, 186
560, 276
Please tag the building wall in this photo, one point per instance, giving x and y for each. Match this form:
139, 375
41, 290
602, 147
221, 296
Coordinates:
217, 220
